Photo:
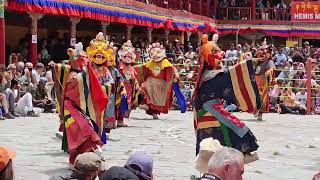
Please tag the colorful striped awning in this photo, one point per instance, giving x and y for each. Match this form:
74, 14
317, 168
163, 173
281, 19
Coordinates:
111, 12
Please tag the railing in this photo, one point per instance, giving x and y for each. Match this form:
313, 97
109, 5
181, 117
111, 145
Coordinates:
235, 13
273, 14
201, 7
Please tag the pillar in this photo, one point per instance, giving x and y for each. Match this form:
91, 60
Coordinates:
33, 47
73, 30
215, 8
149, 30
253, 13
309, 86
129, 30
200, 10
2, 34
188, 35
104, 26
166, 35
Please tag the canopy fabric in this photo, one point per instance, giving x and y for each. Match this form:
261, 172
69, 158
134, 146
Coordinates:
111, 12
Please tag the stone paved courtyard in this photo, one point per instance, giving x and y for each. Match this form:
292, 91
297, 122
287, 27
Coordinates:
289, 145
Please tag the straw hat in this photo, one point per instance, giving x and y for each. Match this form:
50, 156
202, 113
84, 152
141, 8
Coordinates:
208, 147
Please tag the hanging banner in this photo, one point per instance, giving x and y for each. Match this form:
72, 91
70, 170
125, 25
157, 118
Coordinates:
305, 11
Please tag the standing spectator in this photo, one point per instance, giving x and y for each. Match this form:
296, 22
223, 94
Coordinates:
6, 165
306, 50
259, 8
44, 52
231, 54
281, 10
177, 48
239, 51
297, 56
170, 51
280, 57
223, 5
191, 55
226, 163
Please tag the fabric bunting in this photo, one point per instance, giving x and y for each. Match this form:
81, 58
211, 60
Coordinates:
109, 12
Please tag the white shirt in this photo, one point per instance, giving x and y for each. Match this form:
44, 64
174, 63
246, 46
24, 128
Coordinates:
302, 98
35, 76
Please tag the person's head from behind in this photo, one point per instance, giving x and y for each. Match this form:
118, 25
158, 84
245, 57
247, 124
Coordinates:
14, 84
6, 169
227, 163
40, 68
42, 83
87, 166
141, 164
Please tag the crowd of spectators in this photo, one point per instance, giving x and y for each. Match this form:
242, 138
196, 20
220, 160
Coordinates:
25, 90
287, 94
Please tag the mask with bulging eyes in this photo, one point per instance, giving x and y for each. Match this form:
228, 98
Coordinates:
128, 75
156, 70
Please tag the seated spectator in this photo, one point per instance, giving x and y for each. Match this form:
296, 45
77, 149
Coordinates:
226, 163
301, 96
40, 98
276, 91
4, 109
50, 83
289, 104
36, 73
317, 103
24, 103
141, 164
87, 166
6, 165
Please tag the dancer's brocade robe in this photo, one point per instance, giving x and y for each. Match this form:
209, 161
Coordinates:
82, 101
131, 85
264, 78
156, 85
237, 85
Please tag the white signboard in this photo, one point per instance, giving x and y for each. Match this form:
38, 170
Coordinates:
34, 39
73, 41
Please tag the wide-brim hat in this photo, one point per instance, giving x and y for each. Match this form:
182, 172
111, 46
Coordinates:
208, 147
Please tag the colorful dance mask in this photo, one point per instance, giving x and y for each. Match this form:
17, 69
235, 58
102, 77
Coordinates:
127, 53
157, 52
77, 57
101, 51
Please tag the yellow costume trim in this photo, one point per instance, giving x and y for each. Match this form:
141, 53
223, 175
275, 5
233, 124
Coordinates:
151, 65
